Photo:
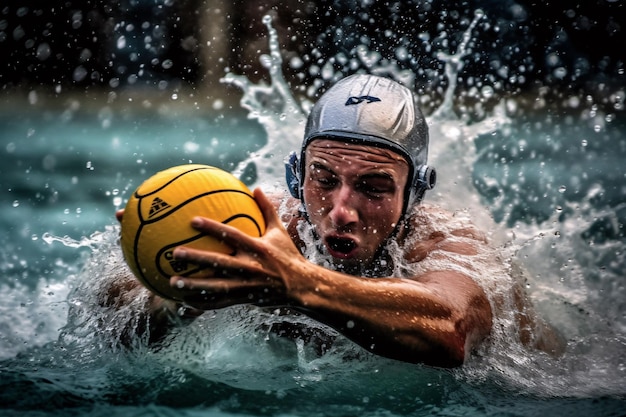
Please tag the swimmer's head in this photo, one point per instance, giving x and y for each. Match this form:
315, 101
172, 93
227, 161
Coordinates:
374, 111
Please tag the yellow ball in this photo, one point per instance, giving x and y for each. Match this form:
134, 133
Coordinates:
157, 219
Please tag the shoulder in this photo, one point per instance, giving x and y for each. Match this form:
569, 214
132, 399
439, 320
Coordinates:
431, 230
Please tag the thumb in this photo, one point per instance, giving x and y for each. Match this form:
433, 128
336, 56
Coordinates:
268, 209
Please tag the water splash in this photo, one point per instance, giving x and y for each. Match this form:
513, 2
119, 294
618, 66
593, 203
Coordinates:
275, 108
31, 318
453, 153
452, 148
224, 349
93, 241
454, 63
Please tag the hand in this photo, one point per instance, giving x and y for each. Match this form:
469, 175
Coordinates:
255, 274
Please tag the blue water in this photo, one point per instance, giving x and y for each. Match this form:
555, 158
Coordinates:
552, 184
64, 176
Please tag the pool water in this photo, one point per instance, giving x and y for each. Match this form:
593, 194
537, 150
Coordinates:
550, 188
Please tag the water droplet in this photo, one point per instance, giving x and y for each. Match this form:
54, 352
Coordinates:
16, 203
218, 104
487, 91
562, 189
43, 51
79, 73
121, 42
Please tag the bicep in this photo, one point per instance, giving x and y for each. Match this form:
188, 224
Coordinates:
463, 295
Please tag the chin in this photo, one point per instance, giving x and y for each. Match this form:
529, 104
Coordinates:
353, 266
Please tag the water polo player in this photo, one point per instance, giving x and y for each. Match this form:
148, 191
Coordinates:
353, 247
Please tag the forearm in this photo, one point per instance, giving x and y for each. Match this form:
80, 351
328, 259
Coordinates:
397, 318
144, 314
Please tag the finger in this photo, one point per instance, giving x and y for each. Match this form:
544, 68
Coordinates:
219, 263
229, 235
217, 285
215, 293
119, 214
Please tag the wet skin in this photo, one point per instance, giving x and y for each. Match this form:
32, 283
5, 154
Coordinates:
354, 198
353, 195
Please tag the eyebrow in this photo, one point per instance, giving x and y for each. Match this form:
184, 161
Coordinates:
317, 165
373, 175
378, 175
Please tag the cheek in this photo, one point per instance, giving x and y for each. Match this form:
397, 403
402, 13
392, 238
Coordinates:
387, 208
385, 215
314, 201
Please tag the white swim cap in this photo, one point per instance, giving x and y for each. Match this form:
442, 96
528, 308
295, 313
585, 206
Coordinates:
374, 111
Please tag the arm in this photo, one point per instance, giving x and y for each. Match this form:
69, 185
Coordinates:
427, 321
138, 312
434, 318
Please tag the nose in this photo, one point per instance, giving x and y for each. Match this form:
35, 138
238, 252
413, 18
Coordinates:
343, 210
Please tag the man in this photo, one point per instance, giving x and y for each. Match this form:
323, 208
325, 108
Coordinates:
389, 273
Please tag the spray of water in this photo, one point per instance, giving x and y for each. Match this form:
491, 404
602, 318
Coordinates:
274, 107
216, 346
454, 154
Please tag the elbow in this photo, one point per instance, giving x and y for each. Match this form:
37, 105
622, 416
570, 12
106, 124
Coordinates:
452, 350
457, 351
469, 331
463, 336
445, 348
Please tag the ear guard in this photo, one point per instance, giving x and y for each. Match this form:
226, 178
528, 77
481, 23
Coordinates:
292, 175
424, 179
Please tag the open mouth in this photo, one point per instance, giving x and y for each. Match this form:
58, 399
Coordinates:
340, 245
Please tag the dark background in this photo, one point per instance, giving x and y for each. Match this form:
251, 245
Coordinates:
520, 45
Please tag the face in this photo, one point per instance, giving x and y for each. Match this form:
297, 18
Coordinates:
354, 197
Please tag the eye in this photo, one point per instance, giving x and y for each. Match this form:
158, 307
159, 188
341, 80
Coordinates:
369, 189
322, 178
376, 188
326, 181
